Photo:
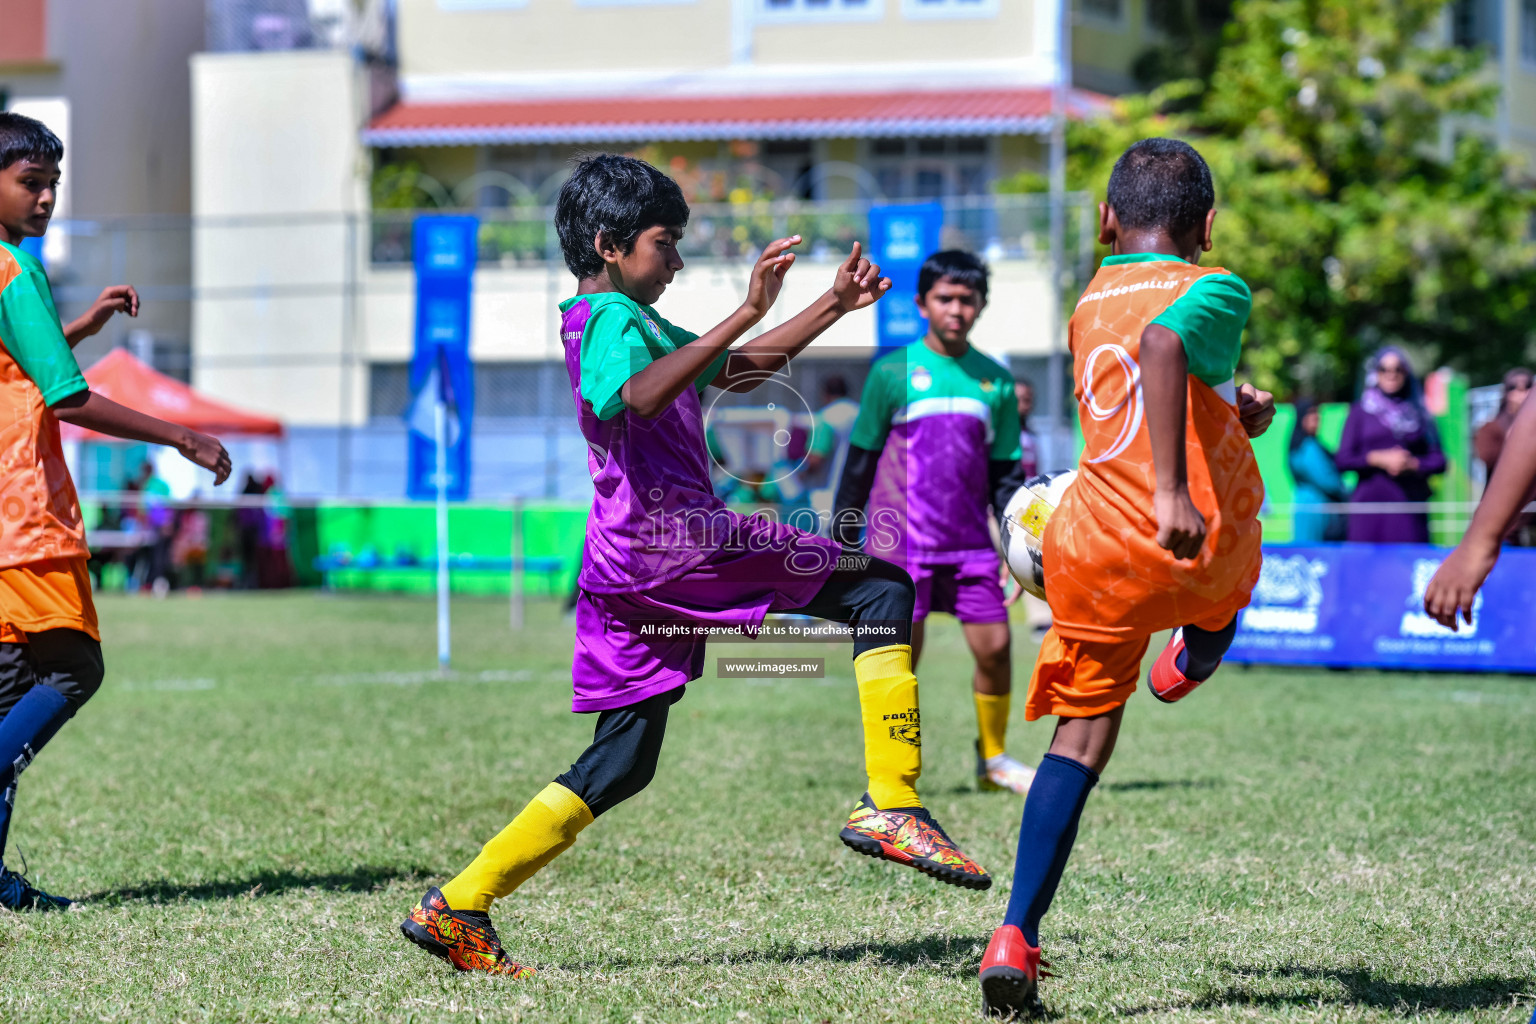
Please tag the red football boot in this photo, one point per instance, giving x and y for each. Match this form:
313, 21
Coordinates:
1010, 976
1165, 681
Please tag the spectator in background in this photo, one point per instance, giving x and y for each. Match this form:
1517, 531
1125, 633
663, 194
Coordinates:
1029, 445
1488, 443
1391, 441
828, 448
829, 435
1317, 480
250, 523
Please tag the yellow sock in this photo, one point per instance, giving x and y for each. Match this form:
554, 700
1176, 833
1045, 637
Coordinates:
893, 743
992, 722
544, 830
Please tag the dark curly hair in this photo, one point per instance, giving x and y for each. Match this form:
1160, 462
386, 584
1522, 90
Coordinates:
22, 138
1161, 183
616, 196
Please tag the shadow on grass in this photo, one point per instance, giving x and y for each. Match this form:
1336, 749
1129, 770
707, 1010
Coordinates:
1360, 988
1139, 785
266, 883
940, 954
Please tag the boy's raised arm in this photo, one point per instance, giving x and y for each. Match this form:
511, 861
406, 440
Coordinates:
93, 412
118, 298
1165, 389
1454, 587
856, 285
650, 391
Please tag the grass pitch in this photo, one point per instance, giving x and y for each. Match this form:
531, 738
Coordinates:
266, 783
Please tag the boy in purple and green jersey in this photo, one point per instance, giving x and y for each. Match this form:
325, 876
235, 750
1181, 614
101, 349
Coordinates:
936, 443
665, 561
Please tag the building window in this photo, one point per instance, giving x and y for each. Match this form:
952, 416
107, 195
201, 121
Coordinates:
1108, 11
949, 8
931, 168
1528, 32
1475, 23
820, 10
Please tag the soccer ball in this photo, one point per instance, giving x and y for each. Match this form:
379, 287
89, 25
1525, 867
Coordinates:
1024, 522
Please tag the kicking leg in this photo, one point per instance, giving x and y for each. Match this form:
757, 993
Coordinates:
454, 922
1191, 657
890, 822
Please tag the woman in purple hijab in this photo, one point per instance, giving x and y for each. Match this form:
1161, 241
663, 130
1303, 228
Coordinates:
1390, 440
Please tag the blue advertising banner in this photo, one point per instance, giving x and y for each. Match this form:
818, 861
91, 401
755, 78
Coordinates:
445, 250
900, 239
1362, 605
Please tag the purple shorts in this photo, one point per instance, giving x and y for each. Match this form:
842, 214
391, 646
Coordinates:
971, 591
634, 645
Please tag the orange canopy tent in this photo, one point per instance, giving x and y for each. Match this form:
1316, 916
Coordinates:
127, 381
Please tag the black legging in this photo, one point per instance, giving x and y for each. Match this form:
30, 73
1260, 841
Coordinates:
872, 595
65, 659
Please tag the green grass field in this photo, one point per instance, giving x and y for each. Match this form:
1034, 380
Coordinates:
267, 783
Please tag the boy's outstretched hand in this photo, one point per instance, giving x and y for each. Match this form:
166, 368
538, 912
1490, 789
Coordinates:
768, 275
1255, 408
119, 298
207, 452
1455, 585
858, 282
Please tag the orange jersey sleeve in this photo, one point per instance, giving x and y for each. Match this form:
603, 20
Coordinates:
1106, 577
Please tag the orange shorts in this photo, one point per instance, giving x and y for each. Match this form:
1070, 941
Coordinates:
1083, 678
54, 593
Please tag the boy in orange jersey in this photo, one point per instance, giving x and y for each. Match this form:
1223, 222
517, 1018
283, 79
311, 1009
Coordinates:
1159, 531
50, 648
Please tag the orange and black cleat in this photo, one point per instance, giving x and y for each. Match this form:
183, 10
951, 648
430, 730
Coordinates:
1010, 976
910, 836
468, 941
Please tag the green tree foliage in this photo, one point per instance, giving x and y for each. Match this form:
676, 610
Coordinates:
1360, 193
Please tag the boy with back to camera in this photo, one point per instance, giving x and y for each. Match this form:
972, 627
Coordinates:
664, 557
50, 647
936, 443
1160, 529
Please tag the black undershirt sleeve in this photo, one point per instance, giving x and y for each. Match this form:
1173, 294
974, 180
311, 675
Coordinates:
852, 495
1004, 478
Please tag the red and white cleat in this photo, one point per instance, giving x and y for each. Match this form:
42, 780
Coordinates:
1010, 976
1165, 681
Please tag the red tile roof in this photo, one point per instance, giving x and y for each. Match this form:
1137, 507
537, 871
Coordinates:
794, 116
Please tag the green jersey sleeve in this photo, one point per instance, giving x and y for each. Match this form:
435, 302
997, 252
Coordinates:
1209, 319
1005, 423
679, 338
876, 407
614, 347
30, 330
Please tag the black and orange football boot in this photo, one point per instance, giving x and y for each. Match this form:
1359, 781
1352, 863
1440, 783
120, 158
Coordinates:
1010, 976
910, 836
466, 940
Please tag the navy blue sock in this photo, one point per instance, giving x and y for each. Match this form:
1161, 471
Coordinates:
1204, 649
7, 805
1051, 812
31, 723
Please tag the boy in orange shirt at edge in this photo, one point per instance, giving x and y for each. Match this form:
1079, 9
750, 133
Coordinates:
50, 648
1160, 529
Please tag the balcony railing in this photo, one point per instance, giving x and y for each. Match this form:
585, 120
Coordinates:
1005, 227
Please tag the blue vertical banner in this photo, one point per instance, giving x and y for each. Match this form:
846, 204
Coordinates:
444, 255
901, 237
